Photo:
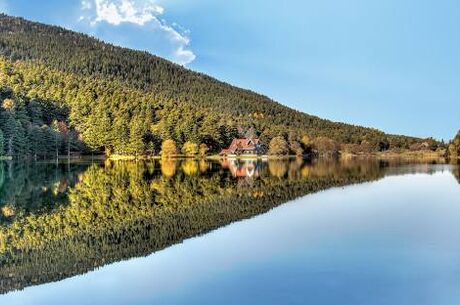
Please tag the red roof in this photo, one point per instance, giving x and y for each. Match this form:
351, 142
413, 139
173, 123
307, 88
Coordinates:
241, 144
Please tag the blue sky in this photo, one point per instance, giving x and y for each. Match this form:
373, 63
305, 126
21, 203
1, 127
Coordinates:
392, 65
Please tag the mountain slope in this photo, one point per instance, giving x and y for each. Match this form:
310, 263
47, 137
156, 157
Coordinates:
131, 100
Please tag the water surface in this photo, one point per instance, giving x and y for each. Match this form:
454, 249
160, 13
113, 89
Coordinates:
166, 233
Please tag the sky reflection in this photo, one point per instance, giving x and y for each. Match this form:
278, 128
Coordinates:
394, 241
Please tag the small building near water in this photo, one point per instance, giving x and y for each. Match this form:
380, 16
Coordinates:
243, 147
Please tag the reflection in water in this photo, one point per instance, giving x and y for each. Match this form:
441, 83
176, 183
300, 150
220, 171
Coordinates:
242, 168
36, 188
168, 167
66, 220
278, 168
456, 173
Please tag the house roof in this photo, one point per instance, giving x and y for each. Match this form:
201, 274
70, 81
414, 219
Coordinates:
241, 144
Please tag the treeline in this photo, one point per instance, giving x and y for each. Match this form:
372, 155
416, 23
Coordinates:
129, 102
107, 116
34, 127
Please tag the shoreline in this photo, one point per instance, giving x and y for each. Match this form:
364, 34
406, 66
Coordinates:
388, 155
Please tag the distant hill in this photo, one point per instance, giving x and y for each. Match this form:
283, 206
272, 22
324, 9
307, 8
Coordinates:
89, 95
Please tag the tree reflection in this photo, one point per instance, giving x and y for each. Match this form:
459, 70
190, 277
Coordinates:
168, 167
456, 173
58, 222
190, 167
278, 168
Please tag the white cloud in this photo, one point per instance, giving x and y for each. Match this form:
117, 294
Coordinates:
117, 12
141, 13
184, 56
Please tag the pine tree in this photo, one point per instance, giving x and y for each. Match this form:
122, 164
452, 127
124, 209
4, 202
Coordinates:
136, 145
1, 143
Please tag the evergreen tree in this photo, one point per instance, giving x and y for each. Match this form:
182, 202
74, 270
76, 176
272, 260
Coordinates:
1, 143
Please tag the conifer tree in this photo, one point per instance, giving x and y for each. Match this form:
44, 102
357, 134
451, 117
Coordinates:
1, 143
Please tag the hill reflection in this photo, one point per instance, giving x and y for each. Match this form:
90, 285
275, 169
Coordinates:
58, 221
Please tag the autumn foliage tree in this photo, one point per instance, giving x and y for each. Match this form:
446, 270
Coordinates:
278, 146
168, 149
190, 149
325, 146
203, 149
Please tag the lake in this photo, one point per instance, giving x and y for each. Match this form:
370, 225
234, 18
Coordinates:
236, 232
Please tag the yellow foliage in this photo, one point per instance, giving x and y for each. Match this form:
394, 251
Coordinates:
190, 167
277, 168
8, 104
168, 167
168, 149
8, 211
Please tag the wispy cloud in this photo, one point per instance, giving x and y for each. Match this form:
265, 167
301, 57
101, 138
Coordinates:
142, 13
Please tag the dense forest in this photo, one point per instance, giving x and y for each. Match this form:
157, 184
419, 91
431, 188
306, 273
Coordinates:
64, 92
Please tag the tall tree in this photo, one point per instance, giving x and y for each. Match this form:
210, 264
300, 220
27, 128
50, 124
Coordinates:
1, 143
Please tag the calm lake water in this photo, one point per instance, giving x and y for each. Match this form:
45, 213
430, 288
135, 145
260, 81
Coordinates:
196, 232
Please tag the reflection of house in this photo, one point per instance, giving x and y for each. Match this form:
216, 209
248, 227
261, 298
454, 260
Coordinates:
240, 168
243, 147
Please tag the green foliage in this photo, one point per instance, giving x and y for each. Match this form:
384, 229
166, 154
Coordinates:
34, 127
278, 146
1, 143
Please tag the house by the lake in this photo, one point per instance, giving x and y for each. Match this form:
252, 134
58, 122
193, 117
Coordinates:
243, 147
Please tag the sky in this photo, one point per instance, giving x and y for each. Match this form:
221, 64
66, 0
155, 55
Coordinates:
392, 65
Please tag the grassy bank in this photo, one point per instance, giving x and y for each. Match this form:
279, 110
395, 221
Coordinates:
209, 157
406, 154
423, 155
399, 155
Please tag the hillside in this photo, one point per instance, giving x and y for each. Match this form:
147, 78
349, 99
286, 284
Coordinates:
89, 95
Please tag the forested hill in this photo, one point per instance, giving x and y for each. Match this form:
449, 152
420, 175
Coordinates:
128, 102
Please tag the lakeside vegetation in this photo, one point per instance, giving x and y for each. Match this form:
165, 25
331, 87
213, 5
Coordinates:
453, 149
63, 92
